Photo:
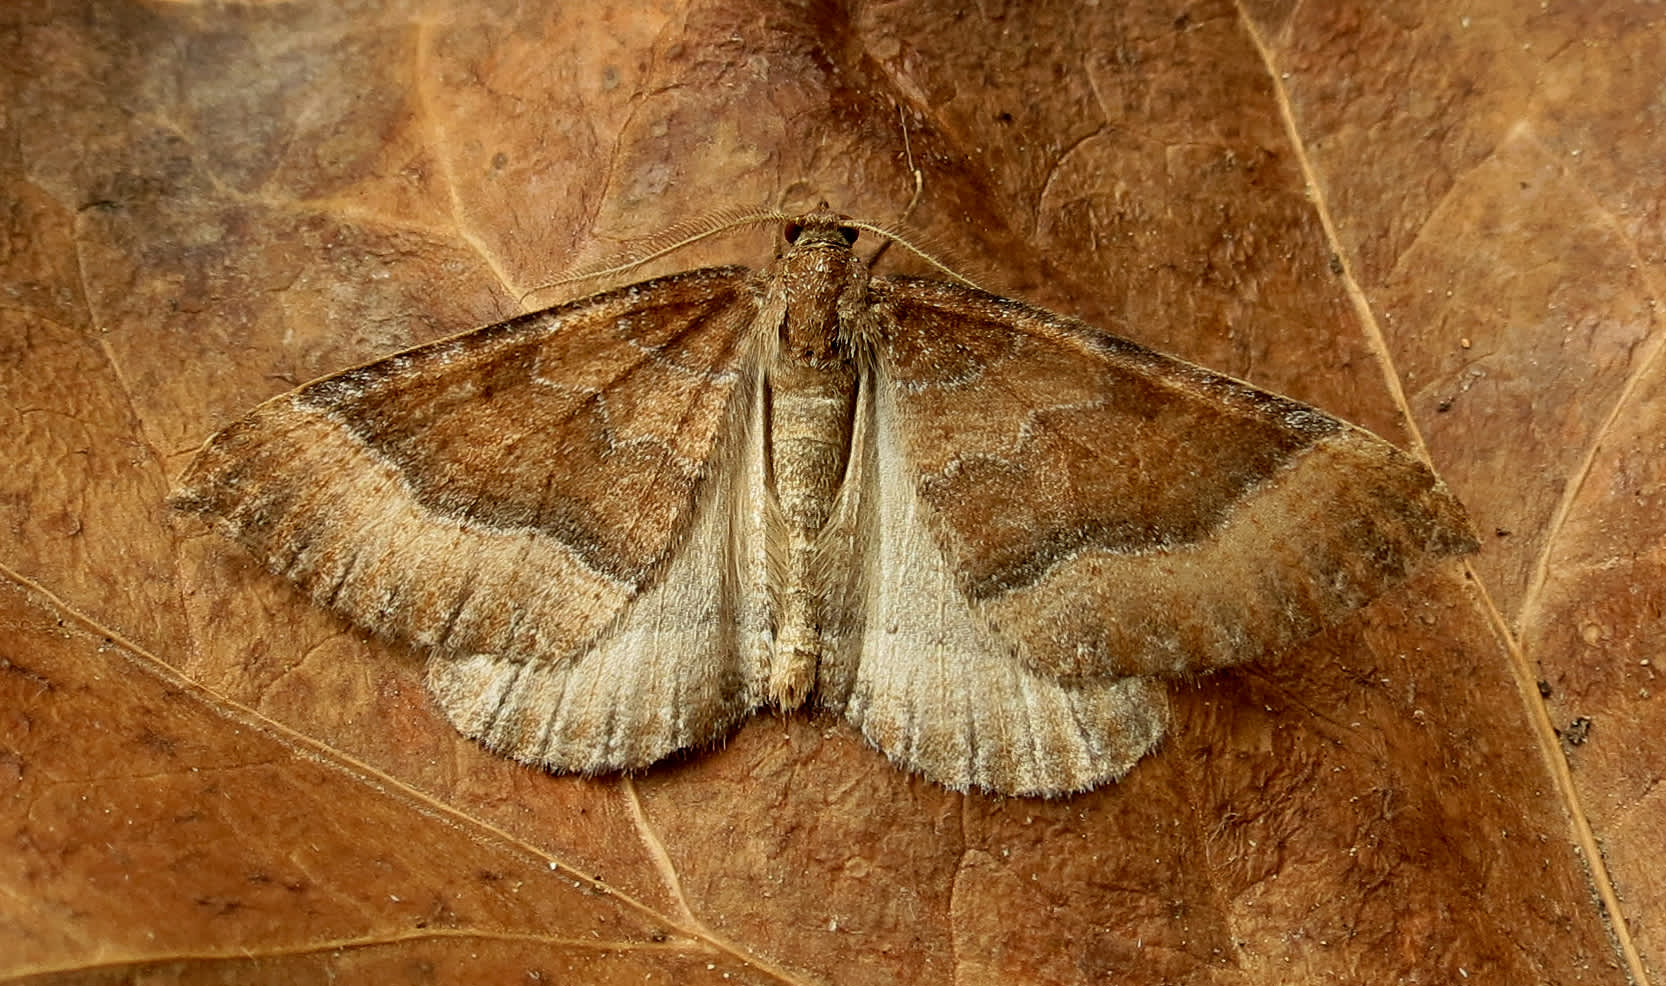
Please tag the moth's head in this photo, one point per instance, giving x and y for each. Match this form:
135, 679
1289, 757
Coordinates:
823, 227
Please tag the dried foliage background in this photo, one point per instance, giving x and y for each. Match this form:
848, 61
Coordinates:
1442, 223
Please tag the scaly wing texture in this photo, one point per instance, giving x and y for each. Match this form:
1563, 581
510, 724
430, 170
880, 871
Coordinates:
506, 492
1110, 510
683, 662
927, 682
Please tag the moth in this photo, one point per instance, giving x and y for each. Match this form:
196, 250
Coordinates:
982, 532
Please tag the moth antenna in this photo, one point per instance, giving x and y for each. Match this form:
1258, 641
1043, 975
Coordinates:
893, 236
669, 240
689, 232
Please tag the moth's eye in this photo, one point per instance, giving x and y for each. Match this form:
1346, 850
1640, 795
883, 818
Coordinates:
849, 235
792, 232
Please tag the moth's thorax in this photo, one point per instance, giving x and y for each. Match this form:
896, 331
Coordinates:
812, 407
826, 290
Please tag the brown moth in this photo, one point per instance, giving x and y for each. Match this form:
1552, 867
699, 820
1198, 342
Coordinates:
981, 531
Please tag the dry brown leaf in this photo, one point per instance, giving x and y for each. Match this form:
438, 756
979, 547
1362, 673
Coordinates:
1445, 226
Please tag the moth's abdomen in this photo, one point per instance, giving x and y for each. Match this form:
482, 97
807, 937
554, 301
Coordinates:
811, 416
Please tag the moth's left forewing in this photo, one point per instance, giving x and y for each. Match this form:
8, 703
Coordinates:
544, 504
679, 666
1111, 510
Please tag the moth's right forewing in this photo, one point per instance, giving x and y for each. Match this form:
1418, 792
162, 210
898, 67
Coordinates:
1110, 510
